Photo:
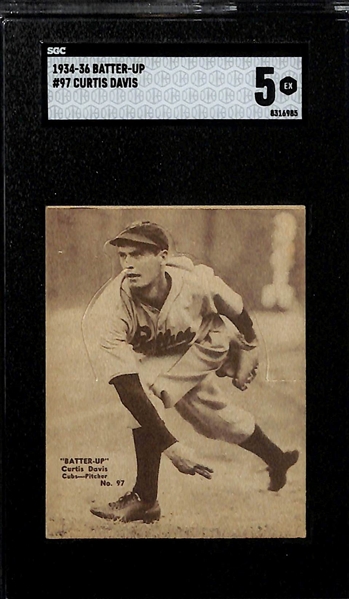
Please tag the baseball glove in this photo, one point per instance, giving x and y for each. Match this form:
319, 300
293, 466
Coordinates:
241, 363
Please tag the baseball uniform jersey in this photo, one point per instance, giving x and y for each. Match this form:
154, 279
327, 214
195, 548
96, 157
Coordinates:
175, 350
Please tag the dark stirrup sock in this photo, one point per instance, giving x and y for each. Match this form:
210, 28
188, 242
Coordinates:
259, 444
148, 457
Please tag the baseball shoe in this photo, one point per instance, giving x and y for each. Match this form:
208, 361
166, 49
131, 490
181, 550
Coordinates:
128, 508
277, 473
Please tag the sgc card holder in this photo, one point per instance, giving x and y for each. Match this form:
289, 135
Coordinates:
175, 180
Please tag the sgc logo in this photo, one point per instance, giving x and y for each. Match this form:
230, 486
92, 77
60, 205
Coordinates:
56, 50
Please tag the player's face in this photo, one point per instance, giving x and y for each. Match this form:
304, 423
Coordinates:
142, 267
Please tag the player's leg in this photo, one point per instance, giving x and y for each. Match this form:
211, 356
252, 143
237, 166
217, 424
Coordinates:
278, 461
204, 409
148, 457
140, 503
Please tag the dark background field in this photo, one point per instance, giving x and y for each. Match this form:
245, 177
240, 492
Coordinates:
153, 165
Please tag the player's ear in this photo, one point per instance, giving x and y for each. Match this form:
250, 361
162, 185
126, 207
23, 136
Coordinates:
163, 254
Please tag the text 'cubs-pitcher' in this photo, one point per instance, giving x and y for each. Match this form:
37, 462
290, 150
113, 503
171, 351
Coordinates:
169, 328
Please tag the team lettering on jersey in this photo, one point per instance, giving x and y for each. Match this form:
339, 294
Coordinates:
143, 342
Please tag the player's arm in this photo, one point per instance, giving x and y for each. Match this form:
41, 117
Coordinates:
120, 367
133, 397
244, 324
242, 362
122, 372
230, 304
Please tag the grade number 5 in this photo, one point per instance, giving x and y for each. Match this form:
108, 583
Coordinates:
263, 81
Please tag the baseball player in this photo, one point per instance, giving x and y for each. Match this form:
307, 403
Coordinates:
170, 330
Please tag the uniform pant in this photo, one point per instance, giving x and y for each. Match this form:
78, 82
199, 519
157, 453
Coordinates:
192, 387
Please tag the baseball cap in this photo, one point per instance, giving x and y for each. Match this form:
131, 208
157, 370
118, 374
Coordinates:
143, 232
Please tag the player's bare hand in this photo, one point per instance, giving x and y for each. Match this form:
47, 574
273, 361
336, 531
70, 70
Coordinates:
184, 460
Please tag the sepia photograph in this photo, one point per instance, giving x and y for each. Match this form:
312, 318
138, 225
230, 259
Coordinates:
175, 393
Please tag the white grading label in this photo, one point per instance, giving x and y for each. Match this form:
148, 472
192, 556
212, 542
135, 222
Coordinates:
173, 87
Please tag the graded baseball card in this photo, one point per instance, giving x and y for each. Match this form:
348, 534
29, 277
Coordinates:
175, 184
221, 267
